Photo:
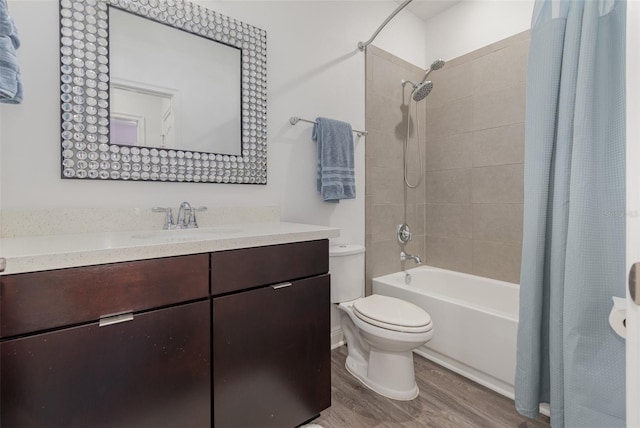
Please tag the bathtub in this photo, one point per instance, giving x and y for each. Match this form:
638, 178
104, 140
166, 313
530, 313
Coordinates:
475, 322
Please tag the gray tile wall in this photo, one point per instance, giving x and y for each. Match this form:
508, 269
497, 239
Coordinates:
475, 155
384, 207
467, 213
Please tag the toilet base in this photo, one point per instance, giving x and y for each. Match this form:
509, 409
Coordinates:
389, 374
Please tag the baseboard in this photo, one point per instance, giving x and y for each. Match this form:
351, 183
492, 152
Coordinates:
337, 338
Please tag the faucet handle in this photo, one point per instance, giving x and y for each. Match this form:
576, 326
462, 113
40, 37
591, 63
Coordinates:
193, 223
404, 233
168, 219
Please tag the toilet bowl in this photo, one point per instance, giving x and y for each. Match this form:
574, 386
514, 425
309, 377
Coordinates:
381, 332
380, 353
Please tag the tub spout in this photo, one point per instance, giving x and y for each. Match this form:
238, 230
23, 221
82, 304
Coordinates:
405, 256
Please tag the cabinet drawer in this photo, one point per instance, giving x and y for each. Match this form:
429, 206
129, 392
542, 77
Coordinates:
237, 270
43, 300
153, 371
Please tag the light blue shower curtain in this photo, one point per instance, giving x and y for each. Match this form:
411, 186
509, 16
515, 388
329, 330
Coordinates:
574, 223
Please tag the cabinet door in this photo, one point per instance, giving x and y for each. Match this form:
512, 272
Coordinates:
153, 371
271, 355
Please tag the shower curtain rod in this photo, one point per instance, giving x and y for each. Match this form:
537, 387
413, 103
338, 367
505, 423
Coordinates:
363, 45
294, 119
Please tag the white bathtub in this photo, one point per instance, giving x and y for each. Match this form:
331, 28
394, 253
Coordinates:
475, 322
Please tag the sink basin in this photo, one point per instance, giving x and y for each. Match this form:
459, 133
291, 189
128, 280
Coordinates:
188, 234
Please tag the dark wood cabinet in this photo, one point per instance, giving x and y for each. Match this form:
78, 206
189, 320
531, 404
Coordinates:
198, 340
271, 335
152, 371
238, 270
271, 355
37, 301
61, 368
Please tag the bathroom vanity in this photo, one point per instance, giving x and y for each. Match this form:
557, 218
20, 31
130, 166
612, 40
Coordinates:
233, 336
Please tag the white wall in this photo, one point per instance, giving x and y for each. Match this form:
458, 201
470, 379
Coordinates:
472, 24
314, 69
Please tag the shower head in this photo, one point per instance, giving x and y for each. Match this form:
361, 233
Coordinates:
421, 90
435, 65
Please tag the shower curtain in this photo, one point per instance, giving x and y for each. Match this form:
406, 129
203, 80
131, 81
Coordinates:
574, 221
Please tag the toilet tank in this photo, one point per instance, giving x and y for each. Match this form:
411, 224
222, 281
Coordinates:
346, 266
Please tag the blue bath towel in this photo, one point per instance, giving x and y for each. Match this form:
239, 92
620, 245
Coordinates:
10, 79
336, 177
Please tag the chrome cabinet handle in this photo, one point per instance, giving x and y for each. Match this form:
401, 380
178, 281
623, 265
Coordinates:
115, 319
283, 285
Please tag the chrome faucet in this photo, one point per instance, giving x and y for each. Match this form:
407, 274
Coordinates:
186, 216
406, 256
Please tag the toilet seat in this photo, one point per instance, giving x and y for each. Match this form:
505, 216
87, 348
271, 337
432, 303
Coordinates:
392, 314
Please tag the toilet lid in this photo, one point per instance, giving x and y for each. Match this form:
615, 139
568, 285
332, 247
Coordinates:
391, 313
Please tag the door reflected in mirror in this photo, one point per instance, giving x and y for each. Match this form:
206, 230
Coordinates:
142, 118
172, 89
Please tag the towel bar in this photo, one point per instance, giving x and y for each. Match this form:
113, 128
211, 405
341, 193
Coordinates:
294, 119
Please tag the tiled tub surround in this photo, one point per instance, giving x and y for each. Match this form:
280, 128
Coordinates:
467, 214
474, 161
385, 121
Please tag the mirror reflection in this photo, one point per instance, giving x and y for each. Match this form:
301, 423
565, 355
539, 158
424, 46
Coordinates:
141, 118
172, 89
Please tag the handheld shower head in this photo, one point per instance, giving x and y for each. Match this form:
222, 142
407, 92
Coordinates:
435, 65
418, 93
421, 90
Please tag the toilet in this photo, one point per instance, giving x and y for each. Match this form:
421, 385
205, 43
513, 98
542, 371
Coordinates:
381, 332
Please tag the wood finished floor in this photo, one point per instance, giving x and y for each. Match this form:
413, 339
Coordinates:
446, 400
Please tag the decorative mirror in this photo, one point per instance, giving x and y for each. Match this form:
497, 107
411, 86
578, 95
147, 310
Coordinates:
161, 90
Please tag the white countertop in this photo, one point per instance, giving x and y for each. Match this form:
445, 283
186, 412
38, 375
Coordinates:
38, 253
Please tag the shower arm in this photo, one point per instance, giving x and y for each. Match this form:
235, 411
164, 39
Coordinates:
408, 82
363, 45
413, 88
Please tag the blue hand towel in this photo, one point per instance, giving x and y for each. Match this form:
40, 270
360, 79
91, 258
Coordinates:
336, 176
10, 79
